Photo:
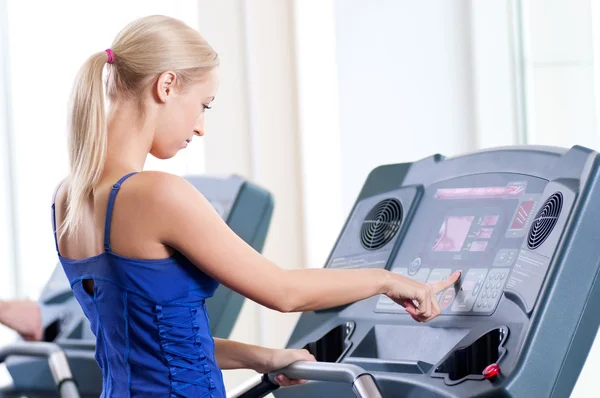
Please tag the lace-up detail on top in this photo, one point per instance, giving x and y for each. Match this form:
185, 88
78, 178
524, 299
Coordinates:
178, 331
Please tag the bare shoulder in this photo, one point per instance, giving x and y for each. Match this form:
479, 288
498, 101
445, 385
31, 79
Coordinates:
58, 193
148, 206
58, 201
156, 187
164, 197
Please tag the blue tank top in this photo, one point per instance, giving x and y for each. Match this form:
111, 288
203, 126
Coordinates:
150, 321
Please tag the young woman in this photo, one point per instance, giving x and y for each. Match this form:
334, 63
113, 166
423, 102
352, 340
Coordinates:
143, 249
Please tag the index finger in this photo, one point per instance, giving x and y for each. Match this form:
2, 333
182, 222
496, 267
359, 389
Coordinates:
443, 285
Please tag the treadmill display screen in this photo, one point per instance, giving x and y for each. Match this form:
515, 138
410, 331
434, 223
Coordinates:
452, 234
465, 233
475, 224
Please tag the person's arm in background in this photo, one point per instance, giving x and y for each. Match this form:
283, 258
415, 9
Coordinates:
23, 316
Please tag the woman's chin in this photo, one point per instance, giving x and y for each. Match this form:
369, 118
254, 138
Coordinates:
164, 155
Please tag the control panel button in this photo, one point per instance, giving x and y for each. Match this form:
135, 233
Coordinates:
439, 275
470, 287
447, 298
478, 286
492, 291
414, 266
505, 258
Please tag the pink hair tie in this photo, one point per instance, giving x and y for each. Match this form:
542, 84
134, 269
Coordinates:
111, 55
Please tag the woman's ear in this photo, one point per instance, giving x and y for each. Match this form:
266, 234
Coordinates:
165, 85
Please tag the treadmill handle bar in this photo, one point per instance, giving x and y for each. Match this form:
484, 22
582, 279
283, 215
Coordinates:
57, 361
363, 383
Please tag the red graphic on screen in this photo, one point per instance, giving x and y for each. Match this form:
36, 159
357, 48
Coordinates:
452, 234
522, 214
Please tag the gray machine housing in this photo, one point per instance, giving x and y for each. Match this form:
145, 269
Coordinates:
247, 209
525, 301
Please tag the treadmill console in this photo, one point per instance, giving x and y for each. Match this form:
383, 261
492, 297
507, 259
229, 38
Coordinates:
521, 225
479, 229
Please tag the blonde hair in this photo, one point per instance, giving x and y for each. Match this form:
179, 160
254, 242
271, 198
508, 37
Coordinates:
142, 51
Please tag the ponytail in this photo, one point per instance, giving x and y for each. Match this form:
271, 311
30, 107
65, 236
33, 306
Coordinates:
142, 51
87, 138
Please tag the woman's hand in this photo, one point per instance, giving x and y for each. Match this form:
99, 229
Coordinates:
419, 299
279, 359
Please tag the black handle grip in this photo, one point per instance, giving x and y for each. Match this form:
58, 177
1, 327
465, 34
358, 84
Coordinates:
261, 390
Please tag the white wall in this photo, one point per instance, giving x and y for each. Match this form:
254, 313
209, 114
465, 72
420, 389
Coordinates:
405, 78
496, 78
319, 126
559, 63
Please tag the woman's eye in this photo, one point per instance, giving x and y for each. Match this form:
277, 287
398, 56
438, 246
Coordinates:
206, 107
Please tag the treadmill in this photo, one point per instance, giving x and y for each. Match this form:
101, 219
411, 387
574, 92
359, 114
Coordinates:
247, 209
523, 226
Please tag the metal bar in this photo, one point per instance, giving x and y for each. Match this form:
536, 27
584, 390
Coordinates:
68, 389
365, 386
57, 361
363, 383
321, 371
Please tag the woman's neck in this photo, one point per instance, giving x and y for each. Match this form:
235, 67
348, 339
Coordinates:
129, 140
